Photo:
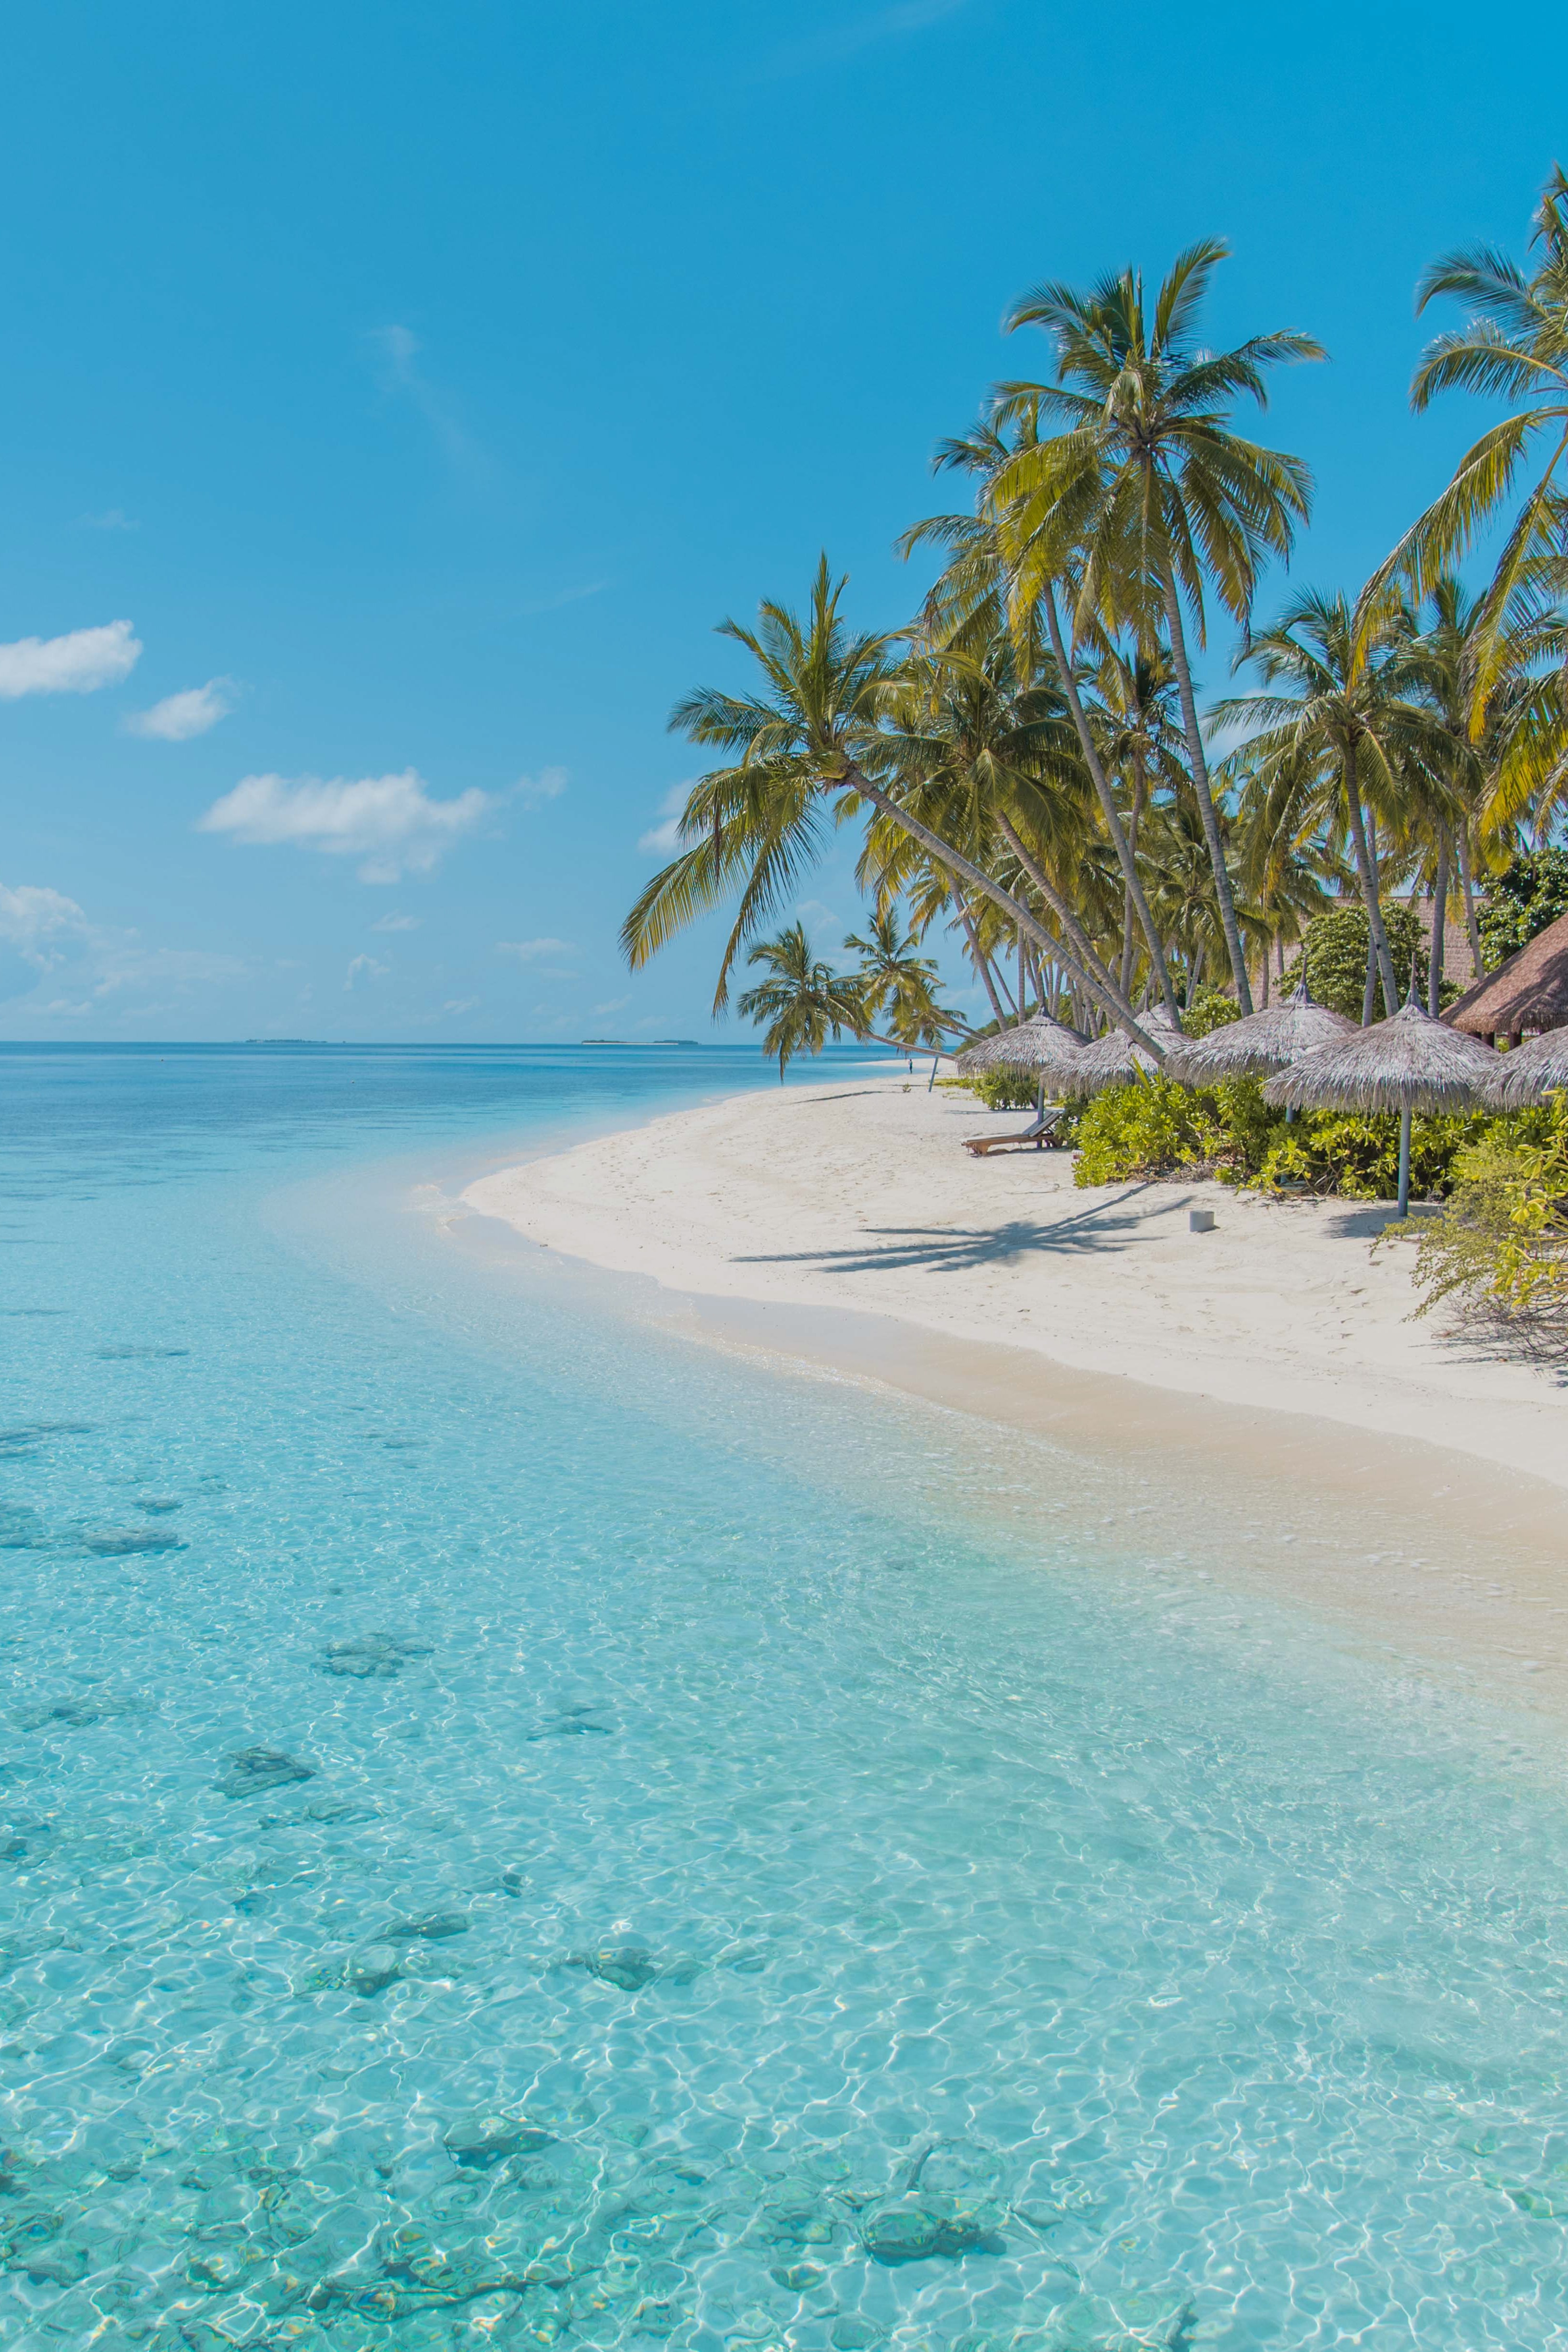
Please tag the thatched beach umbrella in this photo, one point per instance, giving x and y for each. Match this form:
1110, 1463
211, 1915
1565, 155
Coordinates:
1039, 1043
1528, 991
1259, 1044
1114, 1060
1409, 1063
1531, 1072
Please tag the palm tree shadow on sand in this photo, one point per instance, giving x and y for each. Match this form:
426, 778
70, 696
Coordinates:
895, 1248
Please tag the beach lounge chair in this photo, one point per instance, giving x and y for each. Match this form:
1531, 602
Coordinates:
1040, 1134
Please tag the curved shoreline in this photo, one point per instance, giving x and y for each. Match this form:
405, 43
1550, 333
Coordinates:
859, 1197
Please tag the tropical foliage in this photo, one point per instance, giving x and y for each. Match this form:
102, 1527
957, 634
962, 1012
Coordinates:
1028, 763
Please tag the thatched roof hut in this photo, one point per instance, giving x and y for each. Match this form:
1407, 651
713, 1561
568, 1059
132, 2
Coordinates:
1039, 1043
1114, 1060
1258, 1043
1528, 991
1409, 1063
1531, 1072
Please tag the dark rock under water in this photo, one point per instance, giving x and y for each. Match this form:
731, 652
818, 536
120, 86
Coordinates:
433, 1929
481, 2139
370, 1657
252, 1770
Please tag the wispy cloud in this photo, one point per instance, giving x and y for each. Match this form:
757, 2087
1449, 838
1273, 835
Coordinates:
533, 791
397, 923
77, 663
34, 922
534, 951
459, 1004
398, 349
563, 596
365, 967
616, 1004
390, 822
894, 24
818, 918
181, 717
112, 518
85, 971
664, 840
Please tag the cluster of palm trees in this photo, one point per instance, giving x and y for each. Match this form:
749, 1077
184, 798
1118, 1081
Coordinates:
1028, 756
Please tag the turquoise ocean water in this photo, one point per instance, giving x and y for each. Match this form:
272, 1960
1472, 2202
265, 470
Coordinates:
519, 1830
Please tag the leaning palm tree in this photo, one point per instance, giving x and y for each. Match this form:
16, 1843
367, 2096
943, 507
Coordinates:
1335, 733
803, 1000
1146, 501
968, 609
1514, 347
798, 746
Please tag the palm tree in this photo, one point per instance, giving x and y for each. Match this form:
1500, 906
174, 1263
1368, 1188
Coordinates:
1514, 346
1146, 498
796, 746
967, 609
803, 1000
1131, 720
1332, 732
898, 986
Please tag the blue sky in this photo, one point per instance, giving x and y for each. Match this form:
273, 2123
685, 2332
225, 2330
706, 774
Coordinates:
394, 398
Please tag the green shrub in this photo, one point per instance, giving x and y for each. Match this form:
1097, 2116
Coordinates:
1006, 1089
1158, 1128
1334, 954
1208, 1009
1530, 892
1500, 1249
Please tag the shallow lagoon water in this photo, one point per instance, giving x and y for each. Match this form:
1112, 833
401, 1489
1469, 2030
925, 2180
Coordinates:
517, 1831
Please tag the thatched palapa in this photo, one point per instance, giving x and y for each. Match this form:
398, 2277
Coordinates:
1114, 1060
1259, 1043
1407, 1062
1039, 1043
1529, 990
1531, 1072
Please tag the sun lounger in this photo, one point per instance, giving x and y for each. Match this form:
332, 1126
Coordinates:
1041, 1132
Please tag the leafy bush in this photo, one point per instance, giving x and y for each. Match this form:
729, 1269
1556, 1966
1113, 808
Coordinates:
1006, 1089
1161, 1128
1208, 1009
1500, 1250
1530, 892
1334, 953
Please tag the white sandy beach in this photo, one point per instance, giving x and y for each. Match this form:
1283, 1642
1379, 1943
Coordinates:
857, 1195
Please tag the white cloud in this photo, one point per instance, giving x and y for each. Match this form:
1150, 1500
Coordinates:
77, 664
33, 921
664, 840
389, 821
365, 967
565, 596
180, 717
459, 1004
113, 518
531, 951
397, 923
818, 918
535, 791
616, 1004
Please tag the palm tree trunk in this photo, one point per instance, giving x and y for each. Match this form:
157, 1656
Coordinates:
1466, 883
1102, 988
1112, 815
979, 958
1199, 766
1369, 989
1081, 944
1440, 924
1377, 936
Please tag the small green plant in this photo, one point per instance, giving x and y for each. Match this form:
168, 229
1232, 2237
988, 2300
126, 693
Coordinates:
1500, 1249
1208, 1009
1006, 1089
